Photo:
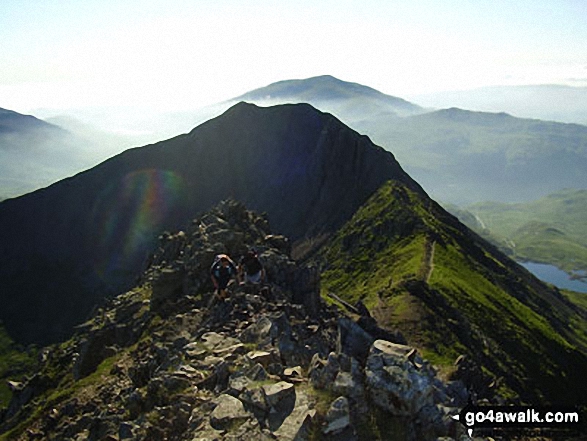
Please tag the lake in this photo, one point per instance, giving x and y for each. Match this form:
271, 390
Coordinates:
557, 277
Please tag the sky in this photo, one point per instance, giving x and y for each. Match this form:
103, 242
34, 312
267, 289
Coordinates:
175, 55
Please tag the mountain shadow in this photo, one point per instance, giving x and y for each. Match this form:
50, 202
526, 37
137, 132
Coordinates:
66, 247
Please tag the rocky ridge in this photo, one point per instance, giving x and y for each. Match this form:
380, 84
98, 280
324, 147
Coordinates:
166, 361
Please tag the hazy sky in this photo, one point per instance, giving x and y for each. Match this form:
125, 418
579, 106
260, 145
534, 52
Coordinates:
177, 54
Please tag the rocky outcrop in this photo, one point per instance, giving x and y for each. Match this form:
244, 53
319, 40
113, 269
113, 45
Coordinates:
168, 361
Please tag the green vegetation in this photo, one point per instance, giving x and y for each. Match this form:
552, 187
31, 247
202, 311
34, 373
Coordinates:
550, 230
15, 364
449, 293
57, 379
67, 388
578, 322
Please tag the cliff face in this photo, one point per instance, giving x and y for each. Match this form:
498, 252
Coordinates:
66, 247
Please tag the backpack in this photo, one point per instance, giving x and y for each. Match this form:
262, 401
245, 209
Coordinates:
216, 265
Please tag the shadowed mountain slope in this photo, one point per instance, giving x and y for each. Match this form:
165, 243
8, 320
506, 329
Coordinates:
64, 248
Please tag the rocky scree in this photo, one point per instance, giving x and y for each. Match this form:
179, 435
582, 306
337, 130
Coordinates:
164, 362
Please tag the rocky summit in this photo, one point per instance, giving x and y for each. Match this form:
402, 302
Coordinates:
169, 361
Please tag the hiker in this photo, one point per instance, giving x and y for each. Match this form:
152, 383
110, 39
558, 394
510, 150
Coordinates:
250, 269
221, 272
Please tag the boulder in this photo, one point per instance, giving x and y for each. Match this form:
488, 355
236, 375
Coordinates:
322, 373
338, 417
256, 399
280, 242
228, 410
353, 340
293, 422
167, 287
264, 358
275, 393
306, 289
393, 382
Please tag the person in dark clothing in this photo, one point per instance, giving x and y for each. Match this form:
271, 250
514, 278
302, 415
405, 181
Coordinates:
221, 272
250, 268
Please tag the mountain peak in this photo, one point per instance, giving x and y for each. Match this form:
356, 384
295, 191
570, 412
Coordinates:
11, 121
326, 90
305, 168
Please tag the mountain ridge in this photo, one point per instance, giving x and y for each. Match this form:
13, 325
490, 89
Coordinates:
167, 360
388, 250
446, 289
551, 102
11, 121
458, 156
302, 166
456, 160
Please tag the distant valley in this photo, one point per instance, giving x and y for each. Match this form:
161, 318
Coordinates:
548, 230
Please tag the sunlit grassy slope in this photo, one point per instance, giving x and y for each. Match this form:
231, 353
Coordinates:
450, 292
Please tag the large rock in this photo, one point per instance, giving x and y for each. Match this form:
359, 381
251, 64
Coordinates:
353, 340
306, 290
294, 423
167, 288
322, 373
229, 410
393, 381
275, 393
338, 417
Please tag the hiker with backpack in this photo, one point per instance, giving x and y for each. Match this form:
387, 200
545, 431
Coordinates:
222, 271
250, 269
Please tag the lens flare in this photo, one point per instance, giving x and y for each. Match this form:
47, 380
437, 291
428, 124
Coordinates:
129, 213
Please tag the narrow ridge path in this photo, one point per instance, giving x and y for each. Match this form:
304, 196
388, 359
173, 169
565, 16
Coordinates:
428, 260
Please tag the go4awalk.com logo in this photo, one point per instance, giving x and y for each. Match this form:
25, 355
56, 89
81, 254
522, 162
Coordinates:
517, 417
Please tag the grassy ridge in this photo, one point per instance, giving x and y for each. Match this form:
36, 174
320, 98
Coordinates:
450, 292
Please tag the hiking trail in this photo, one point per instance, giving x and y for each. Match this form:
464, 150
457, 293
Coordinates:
428, 260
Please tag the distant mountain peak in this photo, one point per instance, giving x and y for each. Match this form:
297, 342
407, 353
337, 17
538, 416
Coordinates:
326, 90
11, 121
